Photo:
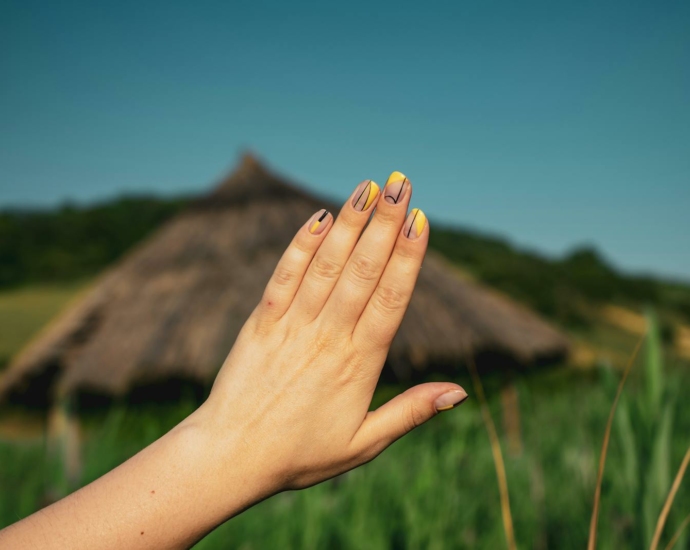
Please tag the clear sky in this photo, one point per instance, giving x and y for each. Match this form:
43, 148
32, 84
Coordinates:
553, 123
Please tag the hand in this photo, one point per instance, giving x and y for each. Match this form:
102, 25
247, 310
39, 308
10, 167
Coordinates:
290, 407
299, 381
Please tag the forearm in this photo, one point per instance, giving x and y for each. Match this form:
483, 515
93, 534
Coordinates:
167, 496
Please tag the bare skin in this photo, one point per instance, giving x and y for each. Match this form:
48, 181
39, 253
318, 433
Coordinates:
290, 407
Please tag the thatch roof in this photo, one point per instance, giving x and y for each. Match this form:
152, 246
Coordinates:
172, 308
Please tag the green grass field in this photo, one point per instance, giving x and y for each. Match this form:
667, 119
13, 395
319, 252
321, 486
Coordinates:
435, 489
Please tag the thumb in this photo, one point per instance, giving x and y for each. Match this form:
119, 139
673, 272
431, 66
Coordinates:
404, 413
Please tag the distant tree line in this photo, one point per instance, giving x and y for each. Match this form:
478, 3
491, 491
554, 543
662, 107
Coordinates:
564, 289
73, 242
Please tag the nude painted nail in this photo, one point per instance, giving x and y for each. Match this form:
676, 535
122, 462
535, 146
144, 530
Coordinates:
414, 224
318, 222
450, 400
395, 188
365, 195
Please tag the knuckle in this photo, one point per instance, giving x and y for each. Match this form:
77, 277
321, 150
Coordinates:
364, 268
354, 374
323, 341
320, 344
412, 416
270, 302
284, 276
302, 247
350, 221
406, 252
389, 299
257, 324
325, 268
324, 347
388, 217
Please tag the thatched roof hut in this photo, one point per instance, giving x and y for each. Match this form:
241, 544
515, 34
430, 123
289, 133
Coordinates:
171, 309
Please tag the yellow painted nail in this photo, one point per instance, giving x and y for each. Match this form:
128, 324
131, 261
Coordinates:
396, 187
318, 224
365, 195
414, 225
395, 177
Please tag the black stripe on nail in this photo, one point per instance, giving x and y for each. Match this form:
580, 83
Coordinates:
401, 190
325, 213
362, 193
412, 224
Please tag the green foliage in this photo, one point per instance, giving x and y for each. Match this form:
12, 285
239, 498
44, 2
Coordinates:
74, 242
436, 488
644, 430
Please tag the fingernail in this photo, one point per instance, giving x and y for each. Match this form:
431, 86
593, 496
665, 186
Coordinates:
414, 224
395, 188
318, 222
450, 400
364, 195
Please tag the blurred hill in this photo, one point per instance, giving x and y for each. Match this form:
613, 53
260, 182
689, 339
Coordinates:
569, 290
72, 243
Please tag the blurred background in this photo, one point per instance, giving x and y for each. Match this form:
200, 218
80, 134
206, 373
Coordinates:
156, 158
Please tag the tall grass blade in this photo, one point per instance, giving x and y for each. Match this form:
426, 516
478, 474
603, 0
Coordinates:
629, 444
658, 474
497, 455
592, 543
669, 501
653, 370
676, 535
655, 408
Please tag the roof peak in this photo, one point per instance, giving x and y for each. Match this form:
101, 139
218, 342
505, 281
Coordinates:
241, 176
249, 161
251, 179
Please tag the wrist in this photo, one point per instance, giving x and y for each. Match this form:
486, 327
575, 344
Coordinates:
227, 462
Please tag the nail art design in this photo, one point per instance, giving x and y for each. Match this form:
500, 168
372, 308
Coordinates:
450, 400
414, 224
365, 194
318, 226
395, 187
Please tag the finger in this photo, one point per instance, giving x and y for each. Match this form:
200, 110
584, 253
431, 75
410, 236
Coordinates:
384, 311
404, 413
289, 272
327, 265
371, 254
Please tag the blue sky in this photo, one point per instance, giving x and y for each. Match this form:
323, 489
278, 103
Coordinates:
553, 123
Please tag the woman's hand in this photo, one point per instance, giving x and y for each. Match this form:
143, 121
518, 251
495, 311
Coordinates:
290, 406
300, 378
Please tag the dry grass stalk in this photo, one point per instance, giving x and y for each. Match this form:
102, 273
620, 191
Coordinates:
498, 457
676, 535
592, 543
669, 501
511, 418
